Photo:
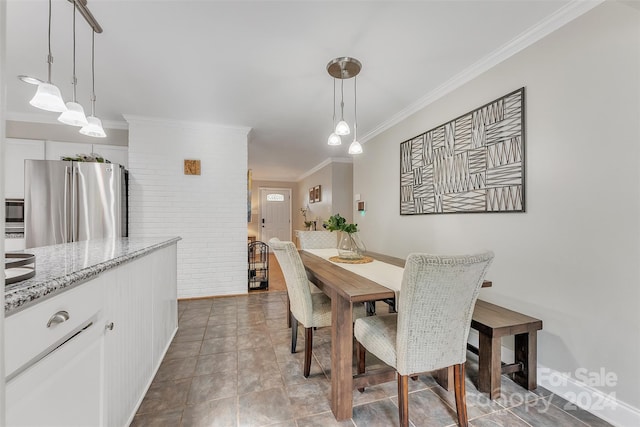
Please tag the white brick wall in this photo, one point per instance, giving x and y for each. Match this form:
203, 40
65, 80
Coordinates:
208, 211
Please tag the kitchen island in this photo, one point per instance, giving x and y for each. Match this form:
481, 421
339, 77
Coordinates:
85, 336
61, 267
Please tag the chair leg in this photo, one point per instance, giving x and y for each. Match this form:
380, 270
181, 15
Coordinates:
308, 345
360, 357
403, 400
294, 332
288, 311
461, 398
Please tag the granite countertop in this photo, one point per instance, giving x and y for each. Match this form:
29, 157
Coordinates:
60, 267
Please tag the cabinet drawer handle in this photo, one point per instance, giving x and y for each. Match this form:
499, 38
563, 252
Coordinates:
59, 317
109, 326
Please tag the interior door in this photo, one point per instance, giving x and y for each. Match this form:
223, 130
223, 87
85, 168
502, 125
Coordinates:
275, 214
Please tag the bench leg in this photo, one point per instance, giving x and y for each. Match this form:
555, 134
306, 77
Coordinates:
489, 366
444, 377
526, 354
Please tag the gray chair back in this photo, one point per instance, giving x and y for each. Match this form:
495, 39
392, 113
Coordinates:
317, 239
296, 278
437, 298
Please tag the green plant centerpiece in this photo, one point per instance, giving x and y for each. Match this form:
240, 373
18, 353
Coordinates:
350, 245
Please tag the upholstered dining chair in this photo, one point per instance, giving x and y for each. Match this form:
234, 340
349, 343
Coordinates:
322, 239
312, 240
431, 328
311, 309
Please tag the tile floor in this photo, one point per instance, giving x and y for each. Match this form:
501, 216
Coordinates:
229, 365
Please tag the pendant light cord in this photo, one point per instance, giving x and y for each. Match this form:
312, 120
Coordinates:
355, 107
334, 104
342, 99
49, 57
75, 81
93, 73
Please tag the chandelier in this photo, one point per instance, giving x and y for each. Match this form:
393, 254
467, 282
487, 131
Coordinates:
344, 68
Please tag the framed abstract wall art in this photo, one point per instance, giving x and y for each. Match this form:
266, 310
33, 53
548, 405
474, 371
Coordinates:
474, 163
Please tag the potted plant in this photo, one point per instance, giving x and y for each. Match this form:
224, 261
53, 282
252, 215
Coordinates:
307, 224
350, 245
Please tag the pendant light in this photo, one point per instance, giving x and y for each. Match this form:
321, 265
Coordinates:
344, 68
342, 128
48, 95
94, 127
334, 138
355, 147
74, 115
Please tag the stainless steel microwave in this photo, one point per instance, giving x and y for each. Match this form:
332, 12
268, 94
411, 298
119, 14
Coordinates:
14, 215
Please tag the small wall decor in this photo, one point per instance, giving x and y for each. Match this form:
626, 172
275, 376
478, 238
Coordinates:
312, 195
474, 163
192, 167
317, 193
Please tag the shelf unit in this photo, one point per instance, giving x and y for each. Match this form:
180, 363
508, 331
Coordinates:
258, 273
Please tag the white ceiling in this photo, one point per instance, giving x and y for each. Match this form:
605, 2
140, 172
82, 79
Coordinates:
262, 64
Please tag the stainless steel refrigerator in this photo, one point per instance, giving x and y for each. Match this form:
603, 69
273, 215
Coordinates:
72, 201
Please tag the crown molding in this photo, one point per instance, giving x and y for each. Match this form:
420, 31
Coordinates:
51, 119
269, 179
185, 124
561, 17
322, 164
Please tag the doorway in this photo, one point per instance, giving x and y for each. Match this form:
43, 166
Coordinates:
275, 214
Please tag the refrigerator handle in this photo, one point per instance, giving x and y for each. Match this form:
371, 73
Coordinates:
67, 204
74, 203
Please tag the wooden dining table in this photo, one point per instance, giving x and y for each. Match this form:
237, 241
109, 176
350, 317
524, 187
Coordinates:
346, 288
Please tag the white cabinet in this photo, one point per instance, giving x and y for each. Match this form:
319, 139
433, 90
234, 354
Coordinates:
128, 366
64, 389
16, 152
141, 303
54, 353
14, 244
127, 317
55, 150
165, 300
115, 154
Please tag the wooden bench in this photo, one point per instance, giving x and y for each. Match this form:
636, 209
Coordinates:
492, 323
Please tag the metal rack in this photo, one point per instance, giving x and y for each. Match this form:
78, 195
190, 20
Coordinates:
258, 266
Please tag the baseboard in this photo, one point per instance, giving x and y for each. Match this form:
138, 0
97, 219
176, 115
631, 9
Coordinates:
601, 404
